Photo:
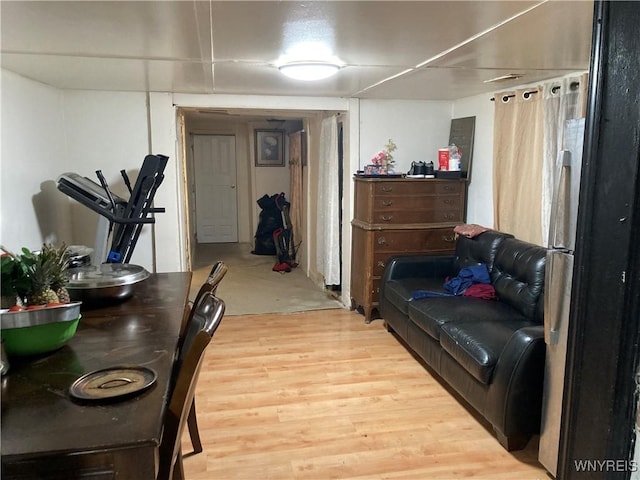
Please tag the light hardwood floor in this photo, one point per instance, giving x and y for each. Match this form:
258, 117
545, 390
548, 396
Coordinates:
321, 395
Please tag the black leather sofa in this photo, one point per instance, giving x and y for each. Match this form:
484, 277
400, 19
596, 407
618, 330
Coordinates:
492, 352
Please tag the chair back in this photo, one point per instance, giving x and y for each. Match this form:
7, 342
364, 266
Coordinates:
207, 313
217, 273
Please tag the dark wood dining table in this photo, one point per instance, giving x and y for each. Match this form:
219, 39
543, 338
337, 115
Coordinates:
46, 433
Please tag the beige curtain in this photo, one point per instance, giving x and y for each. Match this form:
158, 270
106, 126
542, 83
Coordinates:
564, 99
328, 221
518, 162
296, 155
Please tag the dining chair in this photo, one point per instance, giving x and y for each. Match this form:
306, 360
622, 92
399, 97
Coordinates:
217, 273
207, 313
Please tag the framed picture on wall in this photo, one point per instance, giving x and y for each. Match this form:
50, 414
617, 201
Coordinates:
269, 145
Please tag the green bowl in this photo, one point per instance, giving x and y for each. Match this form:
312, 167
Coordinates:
38, 338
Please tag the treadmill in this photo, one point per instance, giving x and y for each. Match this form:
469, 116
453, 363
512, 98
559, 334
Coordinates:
119, 218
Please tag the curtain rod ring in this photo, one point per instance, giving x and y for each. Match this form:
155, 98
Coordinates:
554, 91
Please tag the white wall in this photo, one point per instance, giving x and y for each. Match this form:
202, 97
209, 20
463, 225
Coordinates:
82, 131
418, 128
480, 194
169, 249
33, 156
267, 180
46, 132
50, 132
107, 131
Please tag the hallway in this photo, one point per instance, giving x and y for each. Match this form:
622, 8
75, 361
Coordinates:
252, 287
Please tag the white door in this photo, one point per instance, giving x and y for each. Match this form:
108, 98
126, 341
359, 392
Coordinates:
214, 158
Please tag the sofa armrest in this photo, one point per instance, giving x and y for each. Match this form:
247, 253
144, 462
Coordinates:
418, 266
514, 401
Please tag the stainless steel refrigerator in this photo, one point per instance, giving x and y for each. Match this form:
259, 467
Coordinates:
557, 288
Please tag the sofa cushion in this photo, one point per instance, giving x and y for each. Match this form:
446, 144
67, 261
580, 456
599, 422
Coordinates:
399, 292
430, 314
477, 345
479, 249
518, 276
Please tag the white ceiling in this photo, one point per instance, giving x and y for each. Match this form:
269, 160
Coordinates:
431, 50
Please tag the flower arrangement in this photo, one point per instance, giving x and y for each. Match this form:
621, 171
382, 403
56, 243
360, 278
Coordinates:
384, 158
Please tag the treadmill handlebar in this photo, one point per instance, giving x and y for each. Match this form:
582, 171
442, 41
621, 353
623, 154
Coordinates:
105, 186
102, 201
70, 184
128, 215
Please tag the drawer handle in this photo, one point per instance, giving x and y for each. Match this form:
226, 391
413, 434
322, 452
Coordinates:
448, 238
381, 264
448, 201
382, 241
448, 187
449, 216
387, 203
387, 188
386, 218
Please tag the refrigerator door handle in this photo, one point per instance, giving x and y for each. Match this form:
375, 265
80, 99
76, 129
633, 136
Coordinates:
550, 319
557, 293
560, 208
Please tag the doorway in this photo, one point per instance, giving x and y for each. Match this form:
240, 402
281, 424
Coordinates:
253, 181
216, 206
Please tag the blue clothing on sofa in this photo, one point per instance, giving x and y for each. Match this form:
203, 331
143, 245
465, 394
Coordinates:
457, 285
467, 277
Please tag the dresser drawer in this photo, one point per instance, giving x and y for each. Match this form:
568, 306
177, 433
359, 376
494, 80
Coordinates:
418, 187
435, 240
379, 263
401, 202
413, 202
416, 209
417, 216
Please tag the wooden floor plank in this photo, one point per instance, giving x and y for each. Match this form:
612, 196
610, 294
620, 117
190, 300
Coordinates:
321, 395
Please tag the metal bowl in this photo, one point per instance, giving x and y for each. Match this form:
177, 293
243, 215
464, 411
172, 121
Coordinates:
104, 284
40, 316
38, 338
31, 332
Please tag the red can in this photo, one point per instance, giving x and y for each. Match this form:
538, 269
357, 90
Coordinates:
443, 159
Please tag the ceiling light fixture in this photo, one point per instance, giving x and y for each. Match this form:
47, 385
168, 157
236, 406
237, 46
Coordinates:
309, 70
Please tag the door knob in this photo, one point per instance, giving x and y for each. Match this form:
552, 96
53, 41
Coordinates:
233, 186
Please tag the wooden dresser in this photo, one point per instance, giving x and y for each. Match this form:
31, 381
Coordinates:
396, 216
